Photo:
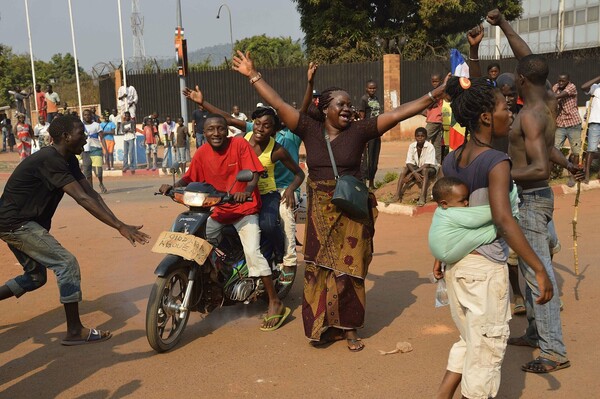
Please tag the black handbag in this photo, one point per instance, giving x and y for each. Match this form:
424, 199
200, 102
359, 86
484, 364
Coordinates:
351, 195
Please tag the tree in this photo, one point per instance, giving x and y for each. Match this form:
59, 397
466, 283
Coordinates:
363, 30
15, 70
272, 52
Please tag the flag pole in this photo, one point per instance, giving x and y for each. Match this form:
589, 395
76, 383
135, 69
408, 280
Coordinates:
75, 57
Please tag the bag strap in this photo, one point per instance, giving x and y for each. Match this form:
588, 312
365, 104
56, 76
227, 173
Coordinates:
333, 165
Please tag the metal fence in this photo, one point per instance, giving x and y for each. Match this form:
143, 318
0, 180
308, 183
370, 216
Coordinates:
225, 88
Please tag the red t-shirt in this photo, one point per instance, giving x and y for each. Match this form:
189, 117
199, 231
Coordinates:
149, 133
219, 169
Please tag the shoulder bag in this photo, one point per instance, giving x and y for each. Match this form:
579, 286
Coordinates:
351, 195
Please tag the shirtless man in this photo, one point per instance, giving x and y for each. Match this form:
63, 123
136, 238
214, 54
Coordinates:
531, 147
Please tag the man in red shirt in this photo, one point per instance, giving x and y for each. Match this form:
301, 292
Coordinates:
218, 164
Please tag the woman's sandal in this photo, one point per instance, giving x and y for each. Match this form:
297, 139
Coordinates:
542, 365
355, 344
327, 338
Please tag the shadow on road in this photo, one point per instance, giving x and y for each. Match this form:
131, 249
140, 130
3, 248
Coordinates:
68, 366
391, 294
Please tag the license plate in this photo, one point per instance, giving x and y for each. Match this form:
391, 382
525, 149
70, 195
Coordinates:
185, 245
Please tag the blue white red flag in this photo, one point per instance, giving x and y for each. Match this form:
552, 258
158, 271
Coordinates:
458, 66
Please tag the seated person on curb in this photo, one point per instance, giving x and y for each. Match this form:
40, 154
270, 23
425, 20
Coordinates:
218, 164
266, 124
420, 166
31, 196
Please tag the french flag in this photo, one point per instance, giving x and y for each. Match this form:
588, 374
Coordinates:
458, 66
456, 133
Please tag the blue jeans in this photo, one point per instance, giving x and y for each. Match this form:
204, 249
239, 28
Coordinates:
271, 232
200, 139
129, 154
573, 133
36, 250
544, 330
593, 136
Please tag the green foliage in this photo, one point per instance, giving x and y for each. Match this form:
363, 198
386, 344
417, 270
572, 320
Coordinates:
360, 30
272, 52
15, 70
389, 177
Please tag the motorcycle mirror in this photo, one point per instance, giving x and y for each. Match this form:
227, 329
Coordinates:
244, 175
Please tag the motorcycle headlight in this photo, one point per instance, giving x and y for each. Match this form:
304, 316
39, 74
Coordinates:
194, 199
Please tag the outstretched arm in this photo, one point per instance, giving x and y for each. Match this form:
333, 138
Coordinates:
517, 44
312, 70
288, 114
197, 97
389, 119
474, 36
85, 196
587, 85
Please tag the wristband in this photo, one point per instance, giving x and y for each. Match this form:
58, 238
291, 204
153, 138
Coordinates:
473, 59
431, 96
255, 78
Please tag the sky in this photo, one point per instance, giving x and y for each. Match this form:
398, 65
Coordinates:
96, 26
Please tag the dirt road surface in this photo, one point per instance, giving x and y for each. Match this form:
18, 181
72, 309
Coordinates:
225, 355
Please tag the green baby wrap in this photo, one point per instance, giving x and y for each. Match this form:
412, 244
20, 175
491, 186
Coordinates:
456, 232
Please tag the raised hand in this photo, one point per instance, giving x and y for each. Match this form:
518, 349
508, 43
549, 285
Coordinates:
475, 35
494, 17
243, 63
312, 70
194, 95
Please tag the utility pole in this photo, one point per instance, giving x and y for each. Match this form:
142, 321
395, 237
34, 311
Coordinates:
181, 51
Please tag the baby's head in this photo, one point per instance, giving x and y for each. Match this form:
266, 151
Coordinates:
450, 192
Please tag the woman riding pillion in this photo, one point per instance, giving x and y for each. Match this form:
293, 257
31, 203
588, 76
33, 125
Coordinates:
338, 249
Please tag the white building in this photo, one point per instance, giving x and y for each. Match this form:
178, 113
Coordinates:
549, 26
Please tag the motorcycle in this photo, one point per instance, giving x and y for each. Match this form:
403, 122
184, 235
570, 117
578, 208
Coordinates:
194, 275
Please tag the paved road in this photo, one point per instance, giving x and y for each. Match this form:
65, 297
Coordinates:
225, 354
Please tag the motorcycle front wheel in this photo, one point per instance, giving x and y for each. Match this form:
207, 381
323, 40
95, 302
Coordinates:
164, 321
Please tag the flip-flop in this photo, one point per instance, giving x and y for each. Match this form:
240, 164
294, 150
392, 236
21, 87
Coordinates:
289, 277
93, 337
542, 365
281, 317
357, 343
521, 341
327, 338
519, 310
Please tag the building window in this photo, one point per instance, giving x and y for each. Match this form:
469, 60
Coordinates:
534, 24
580, 17
554, 21
545, 22
569, 18
593, 13
523, 26
514, 25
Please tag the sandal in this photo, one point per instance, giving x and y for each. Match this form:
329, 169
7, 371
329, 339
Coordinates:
542, 365
521, 341
519, 309
327, 338
355, 344
287, 278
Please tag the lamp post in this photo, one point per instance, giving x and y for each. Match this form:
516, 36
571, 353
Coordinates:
181, 48
230, 28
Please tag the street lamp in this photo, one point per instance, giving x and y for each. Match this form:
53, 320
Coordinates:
230, 30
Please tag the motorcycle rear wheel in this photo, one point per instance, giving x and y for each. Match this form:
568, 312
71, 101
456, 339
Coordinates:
164, 325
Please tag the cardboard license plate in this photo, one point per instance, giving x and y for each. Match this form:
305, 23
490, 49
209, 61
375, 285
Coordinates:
185, 245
